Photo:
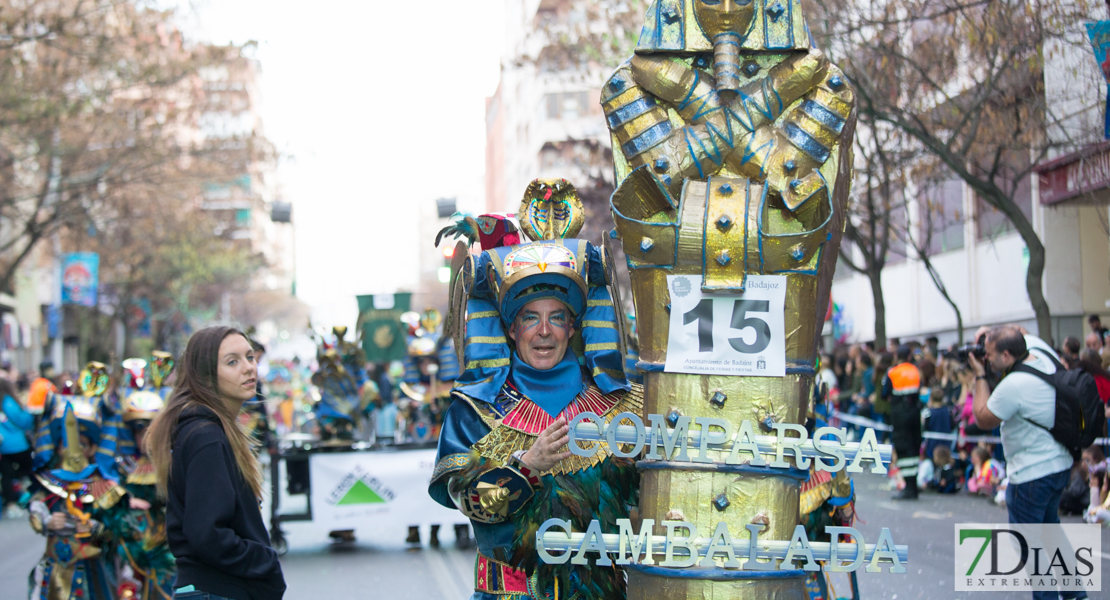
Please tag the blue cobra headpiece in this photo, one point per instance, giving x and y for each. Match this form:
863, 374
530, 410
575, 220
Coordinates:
501, 281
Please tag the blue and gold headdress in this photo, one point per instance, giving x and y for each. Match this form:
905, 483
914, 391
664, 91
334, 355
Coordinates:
490, 288
68, 418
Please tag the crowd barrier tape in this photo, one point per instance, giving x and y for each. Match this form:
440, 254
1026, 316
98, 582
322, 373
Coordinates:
929, 435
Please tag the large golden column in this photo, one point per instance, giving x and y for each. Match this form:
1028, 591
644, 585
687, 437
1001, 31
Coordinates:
732, 140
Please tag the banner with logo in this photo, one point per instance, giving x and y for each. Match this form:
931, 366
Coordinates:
379, 320
1028, 557
80, 278
350, 489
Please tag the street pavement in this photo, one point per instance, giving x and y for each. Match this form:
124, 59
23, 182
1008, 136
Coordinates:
377, 565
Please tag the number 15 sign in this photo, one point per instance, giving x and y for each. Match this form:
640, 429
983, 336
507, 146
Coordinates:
727, 335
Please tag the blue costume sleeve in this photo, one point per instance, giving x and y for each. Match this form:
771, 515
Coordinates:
486, 490
462, 428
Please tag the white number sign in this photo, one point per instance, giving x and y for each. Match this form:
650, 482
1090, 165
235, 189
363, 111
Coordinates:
727, 335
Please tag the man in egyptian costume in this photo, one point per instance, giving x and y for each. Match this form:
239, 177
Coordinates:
541, 343
75, 493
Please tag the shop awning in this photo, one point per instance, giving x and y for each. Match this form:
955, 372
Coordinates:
1081, 177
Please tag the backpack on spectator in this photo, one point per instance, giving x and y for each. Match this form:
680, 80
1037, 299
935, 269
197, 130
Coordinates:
1080, 416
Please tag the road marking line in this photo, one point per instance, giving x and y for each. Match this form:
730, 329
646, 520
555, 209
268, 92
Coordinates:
463, 561
924, 514
447, 587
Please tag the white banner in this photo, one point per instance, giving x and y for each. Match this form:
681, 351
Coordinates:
727, 335
359, 488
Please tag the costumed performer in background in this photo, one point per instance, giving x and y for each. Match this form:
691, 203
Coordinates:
431, 367
430, 370
339, 379
74, 494
541, 343
826, 499
147, 570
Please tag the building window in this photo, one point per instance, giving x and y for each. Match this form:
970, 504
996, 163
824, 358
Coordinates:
989, 221
567, 105
843, 271
941, 208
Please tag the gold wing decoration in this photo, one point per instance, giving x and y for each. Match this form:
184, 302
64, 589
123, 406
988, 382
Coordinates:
500, 443
462, 278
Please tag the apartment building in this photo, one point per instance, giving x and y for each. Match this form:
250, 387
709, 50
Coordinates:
545, 119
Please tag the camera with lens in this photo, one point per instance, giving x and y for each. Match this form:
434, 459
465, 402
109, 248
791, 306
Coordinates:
979, 349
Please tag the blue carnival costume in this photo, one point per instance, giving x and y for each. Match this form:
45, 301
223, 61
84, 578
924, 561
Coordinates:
77, 564
340, 379
147, 569
428, 388
431, 368
826, 499
502, 404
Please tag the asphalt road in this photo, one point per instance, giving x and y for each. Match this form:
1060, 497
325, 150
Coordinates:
378, 566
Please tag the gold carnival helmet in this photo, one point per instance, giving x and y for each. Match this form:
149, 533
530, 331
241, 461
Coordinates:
141, 405
732, 141
431, 319
73, 459
93, 380
161, 365
425, 333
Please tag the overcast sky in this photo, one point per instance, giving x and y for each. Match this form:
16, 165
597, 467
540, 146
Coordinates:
378, 106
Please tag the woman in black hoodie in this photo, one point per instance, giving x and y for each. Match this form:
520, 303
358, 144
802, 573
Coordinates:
210, 478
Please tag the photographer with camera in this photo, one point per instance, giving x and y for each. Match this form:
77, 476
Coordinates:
1024, 405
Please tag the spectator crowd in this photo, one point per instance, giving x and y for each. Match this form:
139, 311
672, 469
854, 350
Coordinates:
954, 454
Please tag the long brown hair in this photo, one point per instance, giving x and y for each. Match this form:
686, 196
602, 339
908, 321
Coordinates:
196, 385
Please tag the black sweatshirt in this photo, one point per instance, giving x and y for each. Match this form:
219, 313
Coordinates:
213, 521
